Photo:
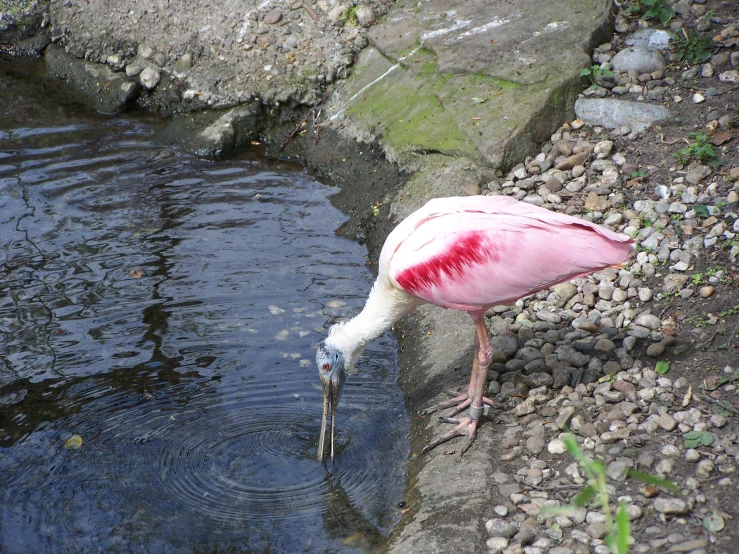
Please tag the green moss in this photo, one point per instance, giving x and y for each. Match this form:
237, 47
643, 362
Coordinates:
409, 108
411, 116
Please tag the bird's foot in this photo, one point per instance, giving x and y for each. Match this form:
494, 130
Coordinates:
458, 404
465, 427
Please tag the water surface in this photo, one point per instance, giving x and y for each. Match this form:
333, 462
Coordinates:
165, 309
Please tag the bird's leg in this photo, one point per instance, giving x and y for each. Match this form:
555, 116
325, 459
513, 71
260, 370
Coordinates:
467, 426
459, 402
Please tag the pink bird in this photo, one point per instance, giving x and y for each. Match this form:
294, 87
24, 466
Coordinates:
469, 254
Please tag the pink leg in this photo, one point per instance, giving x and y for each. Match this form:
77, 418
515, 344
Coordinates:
467, 426
459, 402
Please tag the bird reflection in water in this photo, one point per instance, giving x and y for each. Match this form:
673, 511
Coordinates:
344, 522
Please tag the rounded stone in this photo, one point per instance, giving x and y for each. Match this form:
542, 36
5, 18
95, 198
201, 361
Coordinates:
671, 506
365, 16
497, 544
556, 446
692, 455
149, 78
638, 59
500, 528
655, 349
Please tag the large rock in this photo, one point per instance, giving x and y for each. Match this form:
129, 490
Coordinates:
23, 25
481, 84
109, 91
233, 129
613, 114
641, 60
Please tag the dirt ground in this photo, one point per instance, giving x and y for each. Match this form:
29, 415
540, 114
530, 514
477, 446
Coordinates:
706, 344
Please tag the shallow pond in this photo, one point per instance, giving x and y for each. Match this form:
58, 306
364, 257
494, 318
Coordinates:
165, 309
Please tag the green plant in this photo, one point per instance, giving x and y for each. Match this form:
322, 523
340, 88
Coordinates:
350, 16
697, 438
730, 311
658, 10
699, 149
691, 47
699, 320
696, 279
595, 72
619, 527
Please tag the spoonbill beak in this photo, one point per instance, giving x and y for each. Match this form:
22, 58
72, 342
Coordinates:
332, 383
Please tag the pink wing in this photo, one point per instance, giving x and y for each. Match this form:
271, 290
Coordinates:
475, 252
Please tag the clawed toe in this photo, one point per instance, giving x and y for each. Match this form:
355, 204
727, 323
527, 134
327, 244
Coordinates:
457, 404
459, 400
465, 427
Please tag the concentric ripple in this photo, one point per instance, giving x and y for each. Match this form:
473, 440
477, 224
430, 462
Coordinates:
165, 309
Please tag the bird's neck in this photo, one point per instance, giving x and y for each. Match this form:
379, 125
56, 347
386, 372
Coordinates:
385, 305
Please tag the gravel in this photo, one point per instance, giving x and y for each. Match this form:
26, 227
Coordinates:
582, 357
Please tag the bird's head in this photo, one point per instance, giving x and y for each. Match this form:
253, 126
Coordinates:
332, 372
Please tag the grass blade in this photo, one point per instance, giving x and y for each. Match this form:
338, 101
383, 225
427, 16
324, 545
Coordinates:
623, 529
584, 496
653, 480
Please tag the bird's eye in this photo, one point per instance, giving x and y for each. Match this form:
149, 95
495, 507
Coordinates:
326, 367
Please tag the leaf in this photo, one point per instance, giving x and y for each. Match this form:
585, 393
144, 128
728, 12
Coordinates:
662, 367
653, 480
584, 496
623, 529
713, 522
697, 438
726, 405
585, 72
719, 137
597, 466
73, 443
719, 410
701, 211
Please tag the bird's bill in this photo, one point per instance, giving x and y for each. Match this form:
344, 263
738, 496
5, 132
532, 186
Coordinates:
331, 395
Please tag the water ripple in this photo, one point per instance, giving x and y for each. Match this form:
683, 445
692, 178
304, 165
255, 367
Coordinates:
165, 309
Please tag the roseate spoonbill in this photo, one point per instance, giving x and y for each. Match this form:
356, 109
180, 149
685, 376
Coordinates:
467, 253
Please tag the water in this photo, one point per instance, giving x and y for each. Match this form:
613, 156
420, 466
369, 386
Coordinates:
165, 309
